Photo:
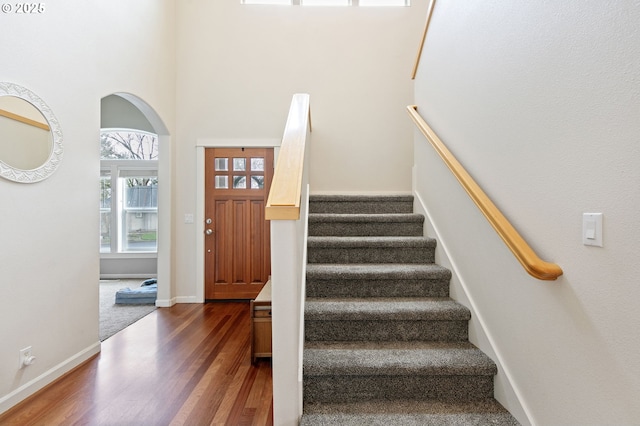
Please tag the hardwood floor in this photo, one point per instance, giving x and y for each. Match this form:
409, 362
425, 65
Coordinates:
185, 365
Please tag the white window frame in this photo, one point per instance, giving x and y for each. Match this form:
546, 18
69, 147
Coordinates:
115, 169
345, 3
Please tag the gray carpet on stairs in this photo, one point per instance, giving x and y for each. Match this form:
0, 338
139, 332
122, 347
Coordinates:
347, 204
384, 343
408, 413
377, 280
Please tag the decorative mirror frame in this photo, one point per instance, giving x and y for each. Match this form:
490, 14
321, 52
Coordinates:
55, 156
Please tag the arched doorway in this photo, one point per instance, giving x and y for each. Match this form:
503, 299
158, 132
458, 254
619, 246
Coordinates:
127, 114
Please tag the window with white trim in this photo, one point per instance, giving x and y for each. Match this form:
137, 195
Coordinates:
128, 191
364, 3
272, 2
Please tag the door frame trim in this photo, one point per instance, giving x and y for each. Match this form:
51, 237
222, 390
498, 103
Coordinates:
201, 145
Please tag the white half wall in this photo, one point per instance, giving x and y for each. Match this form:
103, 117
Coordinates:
540, 102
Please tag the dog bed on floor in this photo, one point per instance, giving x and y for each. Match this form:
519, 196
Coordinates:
137, 296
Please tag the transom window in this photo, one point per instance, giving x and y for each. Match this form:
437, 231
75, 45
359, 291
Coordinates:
364, 3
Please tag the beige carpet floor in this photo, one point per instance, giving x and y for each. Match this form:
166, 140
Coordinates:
114, 318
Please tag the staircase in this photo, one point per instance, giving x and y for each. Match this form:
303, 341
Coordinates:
385, 345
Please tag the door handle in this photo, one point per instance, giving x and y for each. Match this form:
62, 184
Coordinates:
209, 231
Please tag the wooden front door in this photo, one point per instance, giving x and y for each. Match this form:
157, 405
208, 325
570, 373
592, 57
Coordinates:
237, 243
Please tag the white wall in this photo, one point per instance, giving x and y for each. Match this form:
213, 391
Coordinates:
540, 102
238, 66
71, 56
117, 112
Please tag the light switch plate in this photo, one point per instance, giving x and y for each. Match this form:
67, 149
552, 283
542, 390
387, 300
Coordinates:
188, 218
592, 229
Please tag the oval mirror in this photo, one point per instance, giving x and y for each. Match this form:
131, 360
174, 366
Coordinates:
30, 136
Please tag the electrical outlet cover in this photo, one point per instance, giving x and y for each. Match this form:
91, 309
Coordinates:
24, 355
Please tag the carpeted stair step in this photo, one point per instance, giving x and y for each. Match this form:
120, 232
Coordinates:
384, 344
366, 371
325, 224
385, 319
368, 204
377, 280
370, 250
408, 413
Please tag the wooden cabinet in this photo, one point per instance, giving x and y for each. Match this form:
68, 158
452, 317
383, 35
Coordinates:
261, 324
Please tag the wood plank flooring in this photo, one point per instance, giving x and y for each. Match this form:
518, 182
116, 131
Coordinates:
185, 365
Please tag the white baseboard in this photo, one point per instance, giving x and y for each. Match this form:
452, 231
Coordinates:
31, 387
165, 303
188, 299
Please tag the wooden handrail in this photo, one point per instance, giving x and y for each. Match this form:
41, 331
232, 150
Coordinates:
432, 4
24, 120
284, 196
535, 266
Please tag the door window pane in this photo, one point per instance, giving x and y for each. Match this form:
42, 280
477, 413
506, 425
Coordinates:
257, 164
239, 182
222, 164
239, 164
222, 182
257, 182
